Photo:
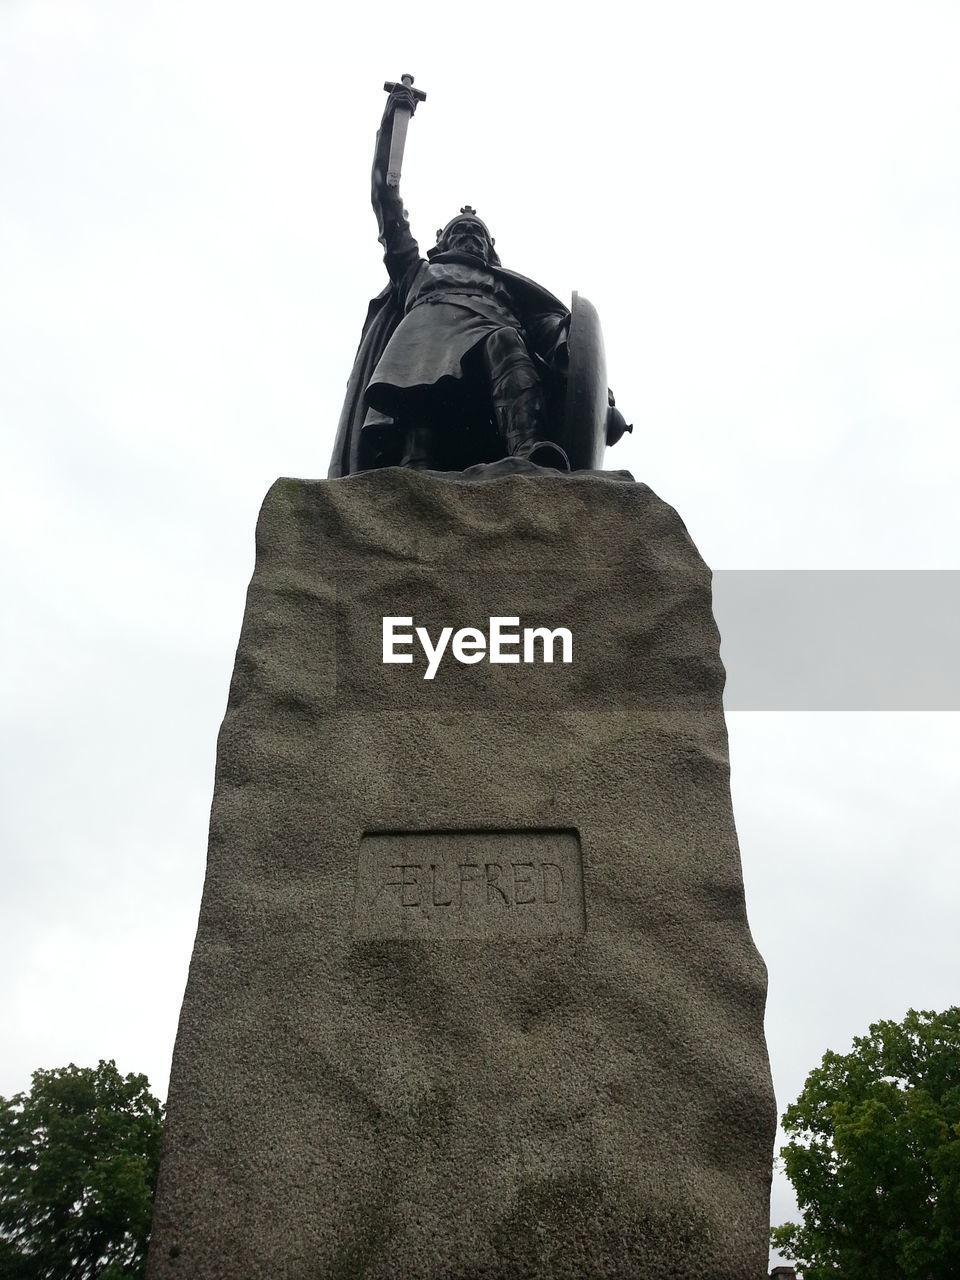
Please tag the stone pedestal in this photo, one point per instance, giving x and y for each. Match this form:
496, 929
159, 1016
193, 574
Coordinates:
473, 991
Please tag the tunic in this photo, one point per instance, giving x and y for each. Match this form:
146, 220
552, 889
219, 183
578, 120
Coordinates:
454, 304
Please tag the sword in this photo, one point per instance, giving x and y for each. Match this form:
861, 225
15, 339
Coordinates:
398, 135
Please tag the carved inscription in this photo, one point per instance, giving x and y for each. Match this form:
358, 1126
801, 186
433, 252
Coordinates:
469, 884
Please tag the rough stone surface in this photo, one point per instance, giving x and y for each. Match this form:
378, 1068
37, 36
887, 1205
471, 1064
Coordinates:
388, 1066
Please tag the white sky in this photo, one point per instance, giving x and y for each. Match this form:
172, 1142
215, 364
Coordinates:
762, 200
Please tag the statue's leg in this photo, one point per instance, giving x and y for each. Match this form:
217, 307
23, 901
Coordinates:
517, 396
422, 450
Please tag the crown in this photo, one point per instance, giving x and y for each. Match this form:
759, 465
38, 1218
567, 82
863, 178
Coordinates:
466, 210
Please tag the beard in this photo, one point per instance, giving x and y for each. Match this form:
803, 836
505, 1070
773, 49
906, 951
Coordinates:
469, 244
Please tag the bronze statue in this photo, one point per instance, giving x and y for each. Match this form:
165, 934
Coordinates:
462, 361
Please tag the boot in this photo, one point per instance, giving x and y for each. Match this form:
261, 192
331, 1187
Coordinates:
545, 453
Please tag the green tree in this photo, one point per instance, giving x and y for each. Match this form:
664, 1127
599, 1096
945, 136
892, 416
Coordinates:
78, 1166
874, 1156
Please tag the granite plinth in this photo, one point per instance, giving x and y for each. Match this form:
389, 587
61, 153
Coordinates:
473, 992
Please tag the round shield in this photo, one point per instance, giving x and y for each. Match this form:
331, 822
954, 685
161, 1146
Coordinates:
584, 434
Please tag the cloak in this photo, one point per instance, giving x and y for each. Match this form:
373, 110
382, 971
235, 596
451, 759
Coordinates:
362, 448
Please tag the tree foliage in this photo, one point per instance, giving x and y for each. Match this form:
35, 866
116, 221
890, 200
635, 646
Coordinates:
874, 1156
78, 1164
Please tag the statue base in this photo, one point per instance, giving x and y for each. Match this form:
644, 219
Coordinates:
473, 992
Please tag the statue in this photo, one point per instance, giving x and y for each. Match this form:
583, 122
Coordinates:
461, 361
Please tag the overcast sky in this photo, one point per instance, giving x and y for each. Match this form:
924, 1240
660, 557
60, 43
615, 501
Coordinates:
761, 199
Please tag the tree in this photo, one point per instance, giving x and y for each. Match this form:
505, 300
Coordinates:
78, 1165
874, 1156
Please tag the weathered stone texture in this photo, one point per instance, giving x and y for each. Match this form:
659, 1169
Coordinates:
362, 1089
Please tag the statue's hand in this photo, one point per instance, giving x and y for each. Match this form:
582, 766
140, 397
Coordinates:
399, 96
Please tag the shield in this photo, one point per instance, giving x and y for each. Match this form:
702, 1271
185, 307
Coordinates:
584, 430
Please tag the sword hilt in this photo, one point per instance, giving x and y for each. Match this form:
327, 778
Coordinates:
406, 82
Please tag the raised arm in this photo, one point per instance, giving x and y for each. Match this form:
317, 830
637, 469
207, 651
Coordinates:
401, 253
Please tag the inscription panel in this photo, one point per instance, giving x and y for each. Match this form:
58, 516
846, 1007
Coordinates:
469, 884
